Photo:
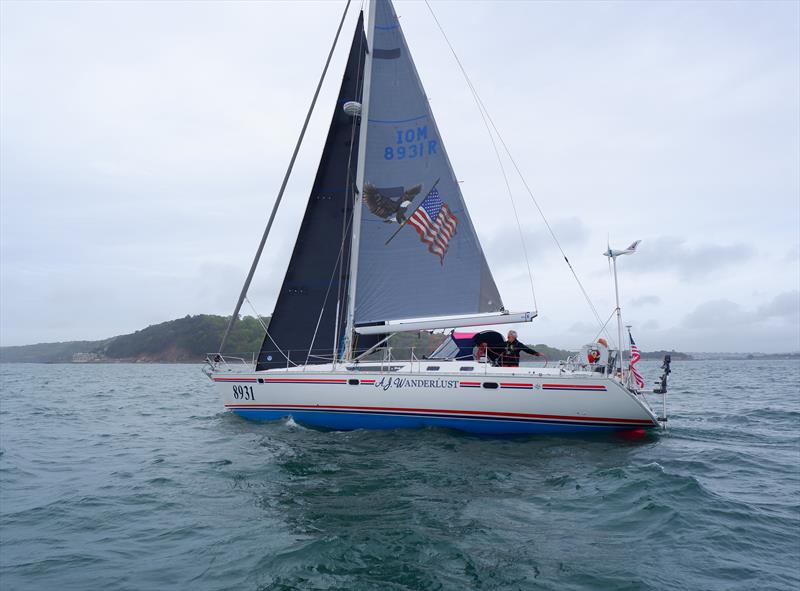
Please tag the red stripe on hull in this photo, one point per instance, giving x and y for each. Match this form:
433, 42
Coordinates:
575, 386
301, 381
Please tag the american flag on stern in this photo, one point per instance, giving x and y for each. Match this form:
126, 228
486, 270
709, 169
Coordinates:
435, 223
635, 356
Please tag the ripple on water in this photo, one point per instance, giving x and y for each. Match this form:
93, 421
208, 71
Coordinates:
131, 477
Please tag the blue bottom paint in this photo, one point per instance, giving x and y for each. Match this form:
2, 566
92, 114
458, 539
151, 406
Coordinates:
347, 421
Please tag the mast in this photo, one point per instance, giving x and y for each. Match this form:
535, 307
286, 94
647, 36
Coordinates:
261, 244
362, 155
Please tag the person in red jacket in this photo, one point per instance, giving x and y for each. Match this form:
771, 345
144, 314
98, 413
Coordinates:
513, 348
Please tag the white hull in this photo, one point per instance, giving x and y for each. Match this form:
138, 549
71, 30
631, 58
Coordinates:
482, 399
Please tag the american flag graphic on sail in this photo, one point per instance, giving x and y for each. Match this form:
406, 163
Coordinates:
435, 223
635, 356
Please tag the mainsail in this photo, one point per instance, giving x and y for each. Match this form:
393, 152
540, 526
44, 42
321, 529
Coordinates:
418, 253
305, 316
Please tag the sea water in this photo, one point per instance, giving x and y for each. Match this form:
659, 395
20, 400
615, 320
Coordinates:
132, 477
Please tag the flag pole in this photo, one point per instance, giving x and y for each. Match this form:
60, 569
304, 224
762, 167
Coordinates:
412, 213
628, 329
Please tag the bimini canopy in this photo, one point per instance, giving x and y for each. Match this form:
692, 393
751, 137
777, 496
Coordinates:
460, 345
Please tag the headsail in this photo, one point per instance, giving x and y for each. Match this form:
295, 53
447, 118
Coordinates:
317, 274
418, 253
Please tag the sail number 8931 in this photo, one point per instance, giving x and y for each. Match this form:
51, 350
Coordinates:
243, 393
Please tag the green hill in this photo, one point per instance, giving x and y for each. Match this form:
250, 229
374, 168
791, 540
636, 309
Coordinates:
189, 339
659, 355
186, 339
425, 343
552, 353
47, 352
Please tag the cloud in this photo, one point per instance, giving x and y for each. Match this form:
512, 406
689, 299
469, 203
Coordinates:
670, 253
572, 232
651, 325
785, 305
715, 314
583, 328
137, 180
645, 300
725, 313
724, 325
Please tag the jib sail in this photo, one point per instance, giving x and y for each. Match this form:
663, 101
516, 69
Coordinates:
305, 317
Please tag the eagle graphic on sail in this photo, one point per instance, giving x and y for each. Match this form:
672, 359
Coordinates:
386, 208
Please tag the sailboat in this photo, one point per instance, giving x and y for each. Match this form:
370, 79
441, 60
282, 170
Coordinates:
387, 246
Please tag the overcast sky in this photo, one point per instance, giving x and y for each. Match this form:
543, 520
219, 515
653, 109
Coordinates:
143, 144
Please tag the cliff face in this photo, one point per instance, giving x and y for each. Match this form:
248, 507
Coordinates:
172, 354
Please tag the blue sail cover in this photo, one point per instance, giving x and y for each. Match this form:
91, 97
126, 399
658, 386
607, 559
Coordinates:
419, 255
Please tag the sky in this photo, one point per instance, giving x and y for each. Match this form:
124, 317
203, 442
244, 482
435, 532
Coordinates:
142, 145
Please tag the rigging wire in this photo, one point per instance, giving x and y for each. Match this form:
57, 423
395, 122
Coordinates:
345, 225
497, 155
327, 293
603, 328
483, 109
278, 199
510, 194
553, 235
264, 326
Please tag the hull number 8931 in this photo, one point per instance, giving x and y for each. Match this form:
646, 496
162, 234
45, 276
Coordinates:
243, 393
